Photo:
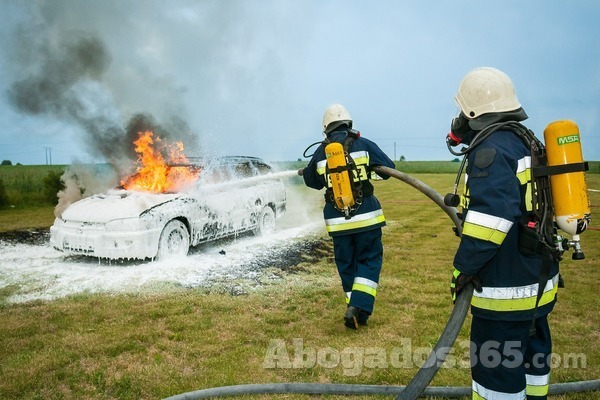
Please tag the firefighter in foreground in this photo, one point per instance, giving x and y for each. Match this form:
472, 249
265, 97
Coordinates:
515, 278
353, 216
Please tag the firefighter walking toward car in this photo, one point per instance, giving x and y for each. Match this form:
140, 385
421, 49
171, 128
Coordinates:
515, 278
353, 216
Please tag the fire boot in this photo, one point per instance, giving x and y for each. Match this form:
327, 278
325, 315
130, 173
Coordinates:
355, 317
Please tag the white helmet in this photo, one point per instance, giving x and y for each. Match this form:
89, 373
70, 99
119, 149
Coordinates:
486, 90
336, 113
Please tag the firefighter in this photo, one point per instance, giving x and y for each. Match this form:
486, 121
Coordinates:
515, 289
355, 229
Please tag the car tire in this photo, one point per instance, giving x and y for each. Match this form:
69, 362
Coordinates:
174, 240
266, 222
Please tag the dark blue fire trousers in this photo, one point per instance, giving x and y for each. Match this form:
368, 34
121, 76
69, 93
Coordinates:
507, 361
359, 257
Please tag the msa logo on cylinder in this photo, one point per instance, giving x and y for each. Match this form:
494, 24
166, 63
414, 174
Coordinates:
568, 139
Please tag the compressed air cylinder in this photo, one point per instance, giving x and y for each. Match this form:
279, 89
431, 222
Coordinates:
340, 181
569, 190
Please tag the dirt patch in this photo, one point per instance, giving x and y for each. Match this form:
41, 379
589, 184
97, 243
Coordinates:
289, 259
36, 237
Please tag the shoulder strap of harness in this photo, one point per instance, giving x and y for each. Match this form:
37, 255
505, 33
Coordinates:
360, 188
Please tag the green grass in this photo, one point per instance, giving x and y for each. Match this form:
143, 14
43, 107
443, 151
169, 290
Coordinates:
151, 346
23, 218
24, 184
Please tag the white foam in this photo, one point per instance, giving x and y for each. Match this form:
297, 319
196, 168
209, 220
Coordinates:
43, 273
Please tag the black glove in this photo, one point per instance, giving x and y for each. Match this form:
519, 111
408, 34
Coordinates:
460, 280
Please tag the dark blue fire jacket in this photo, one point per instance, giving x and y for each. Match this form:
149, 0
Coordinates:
366, 154
497, 194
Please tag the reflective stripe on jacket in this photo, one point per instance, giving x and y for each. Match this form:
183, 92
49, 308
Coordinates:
515, 298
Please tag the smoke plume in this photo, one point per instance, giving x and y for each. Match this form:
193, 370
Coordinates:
66, 82
64, 74
82, 181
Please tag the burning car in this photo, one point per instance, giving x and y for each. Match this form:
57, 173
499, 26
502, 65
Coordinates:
226, 196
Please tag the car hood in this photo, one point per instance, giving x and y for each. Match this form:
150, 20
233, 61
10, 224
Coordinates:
115, 204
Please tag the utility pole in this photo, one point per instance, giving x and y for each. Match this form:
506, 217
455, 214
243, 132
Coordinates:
48, 155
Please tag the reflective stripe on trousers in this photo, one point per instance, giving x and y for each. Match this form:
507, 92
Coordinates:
482, 393
537, 385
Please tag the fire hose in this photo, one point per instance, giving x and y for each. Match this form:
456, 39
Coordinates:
417, 387
437, 356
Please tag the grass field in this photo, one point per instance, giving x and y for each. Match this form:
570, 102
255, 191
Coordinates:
24, 184
151, 346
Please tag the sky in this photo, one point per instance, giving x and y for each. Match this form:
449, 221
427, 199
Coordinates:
79, 78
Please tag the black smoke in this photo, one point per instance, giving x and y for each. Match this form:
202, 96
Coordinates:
49, 88
142, 122
63, 76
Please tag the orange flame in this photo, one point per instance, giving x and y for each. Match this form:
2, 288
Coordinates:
153, 173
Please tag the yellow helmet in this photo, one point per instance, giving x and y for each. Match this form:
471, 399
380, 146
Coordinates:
486, 90
334, 116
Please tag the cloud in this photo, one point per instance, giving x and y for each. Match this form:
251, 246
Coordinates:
253, 77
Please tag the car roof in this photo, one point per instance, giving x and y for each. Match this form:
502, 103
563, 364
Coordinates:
226, 161
229, 167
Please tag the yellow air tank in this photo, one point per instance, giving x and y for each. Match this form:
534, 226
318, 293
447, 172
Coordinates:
569, 190
340, 178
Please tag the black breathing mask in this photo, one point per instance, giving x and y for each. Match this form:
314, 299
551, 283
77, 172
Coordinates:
458, 129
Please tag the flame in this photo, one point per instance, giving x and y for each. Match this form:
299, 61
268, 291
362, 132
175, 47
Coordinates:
155, 174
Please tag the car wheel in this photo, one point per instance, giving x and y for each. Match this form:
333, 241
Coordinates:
174, 240
266, 222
